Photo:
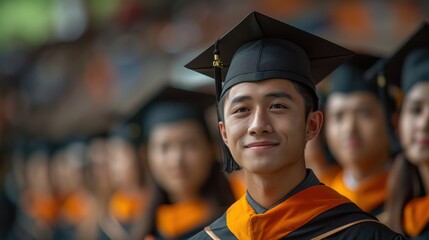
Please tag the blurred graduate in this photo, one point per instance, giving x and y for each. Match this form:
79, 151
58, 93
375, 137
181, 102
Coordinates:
408, 202
189, 188
357, 135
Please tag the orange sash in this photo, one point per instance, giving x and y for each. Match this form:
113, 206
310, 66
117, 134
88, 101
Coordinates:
76, 208
41, 207
177, 219
416, 216
284, 218
370, 194
126, 206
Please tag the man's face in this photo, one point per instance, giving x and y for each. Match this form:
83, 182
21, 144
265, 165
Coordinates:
414, 124
356, 132
264, 125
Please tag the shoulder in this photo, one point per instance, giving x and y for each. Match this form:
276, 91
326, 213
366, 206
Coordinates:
368, 230
340, 216
366, 227
201, 236
217, 228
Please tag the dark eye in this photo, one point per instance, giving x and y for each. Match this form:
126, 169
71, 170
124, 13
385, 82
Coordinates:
364, 113
337, 117
277, 106
415, 110
241, 110
164, 148
190, 144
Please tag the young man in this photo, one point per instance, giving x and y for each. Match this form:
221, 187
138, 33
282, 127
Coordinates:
357, 135
268, 111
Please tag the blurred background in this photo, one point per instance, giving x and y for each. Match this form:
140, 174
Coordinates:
72, 69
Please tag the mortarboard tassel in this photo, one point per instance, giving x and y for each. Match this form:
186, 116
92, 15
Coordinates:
383, 92
217, 68
229, 164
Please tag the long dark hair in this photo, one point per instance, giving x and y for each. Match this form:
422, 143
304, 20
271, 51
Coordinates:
405, 183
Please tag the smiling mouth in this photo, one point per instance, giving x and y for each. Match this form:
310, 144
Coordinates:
423, 142
261, 145
351, 143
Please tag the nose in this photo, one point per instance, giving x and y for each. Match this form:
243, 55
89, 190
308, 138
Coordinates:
350, 125
175, 156
260, 122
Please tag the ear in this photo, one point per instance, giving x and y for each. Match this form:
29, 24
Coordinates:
314, 124
223, 132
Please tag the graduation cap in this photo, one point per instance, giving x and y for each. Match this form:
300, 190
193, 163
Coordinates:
350, 77
261, 48
410, 63
168, 105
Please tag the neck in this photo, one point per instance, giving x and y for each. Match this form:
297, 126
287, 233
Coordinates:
182, 197
424, 173
268, 189
360, 173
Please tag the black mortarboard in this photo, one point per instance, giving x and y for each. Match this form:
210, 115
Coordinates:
261, 48
168, 105
410, 63
350, 77
416, 68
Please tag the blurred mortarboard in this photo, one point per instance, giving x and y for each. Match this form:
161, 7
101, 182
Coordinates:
350, 77
406, 66
168, 105
409, 63
260, 48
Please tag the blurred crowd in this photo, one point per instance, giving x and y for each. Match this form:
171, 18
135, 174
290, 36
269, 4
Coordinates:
75, 190
69, 170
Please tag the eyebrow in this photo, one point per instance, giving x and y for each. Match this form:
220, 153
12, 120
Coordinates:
279, 95
243, 98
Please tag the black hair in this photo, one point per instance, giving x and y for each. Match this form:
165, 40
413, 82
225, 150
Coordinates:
405, 184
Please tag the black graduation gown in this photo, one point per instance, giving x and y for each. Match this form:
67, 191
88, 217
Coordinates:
321, 221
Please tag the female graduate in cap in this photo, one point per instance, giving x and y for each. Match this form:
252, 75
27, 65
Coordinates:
190, 191
267, 110
409, 184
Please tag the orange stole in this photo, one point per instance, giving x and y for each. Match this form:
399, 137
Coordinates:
76, 208
41, 207
284, 218
127, 206
177, 219
416, 216
370, 194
